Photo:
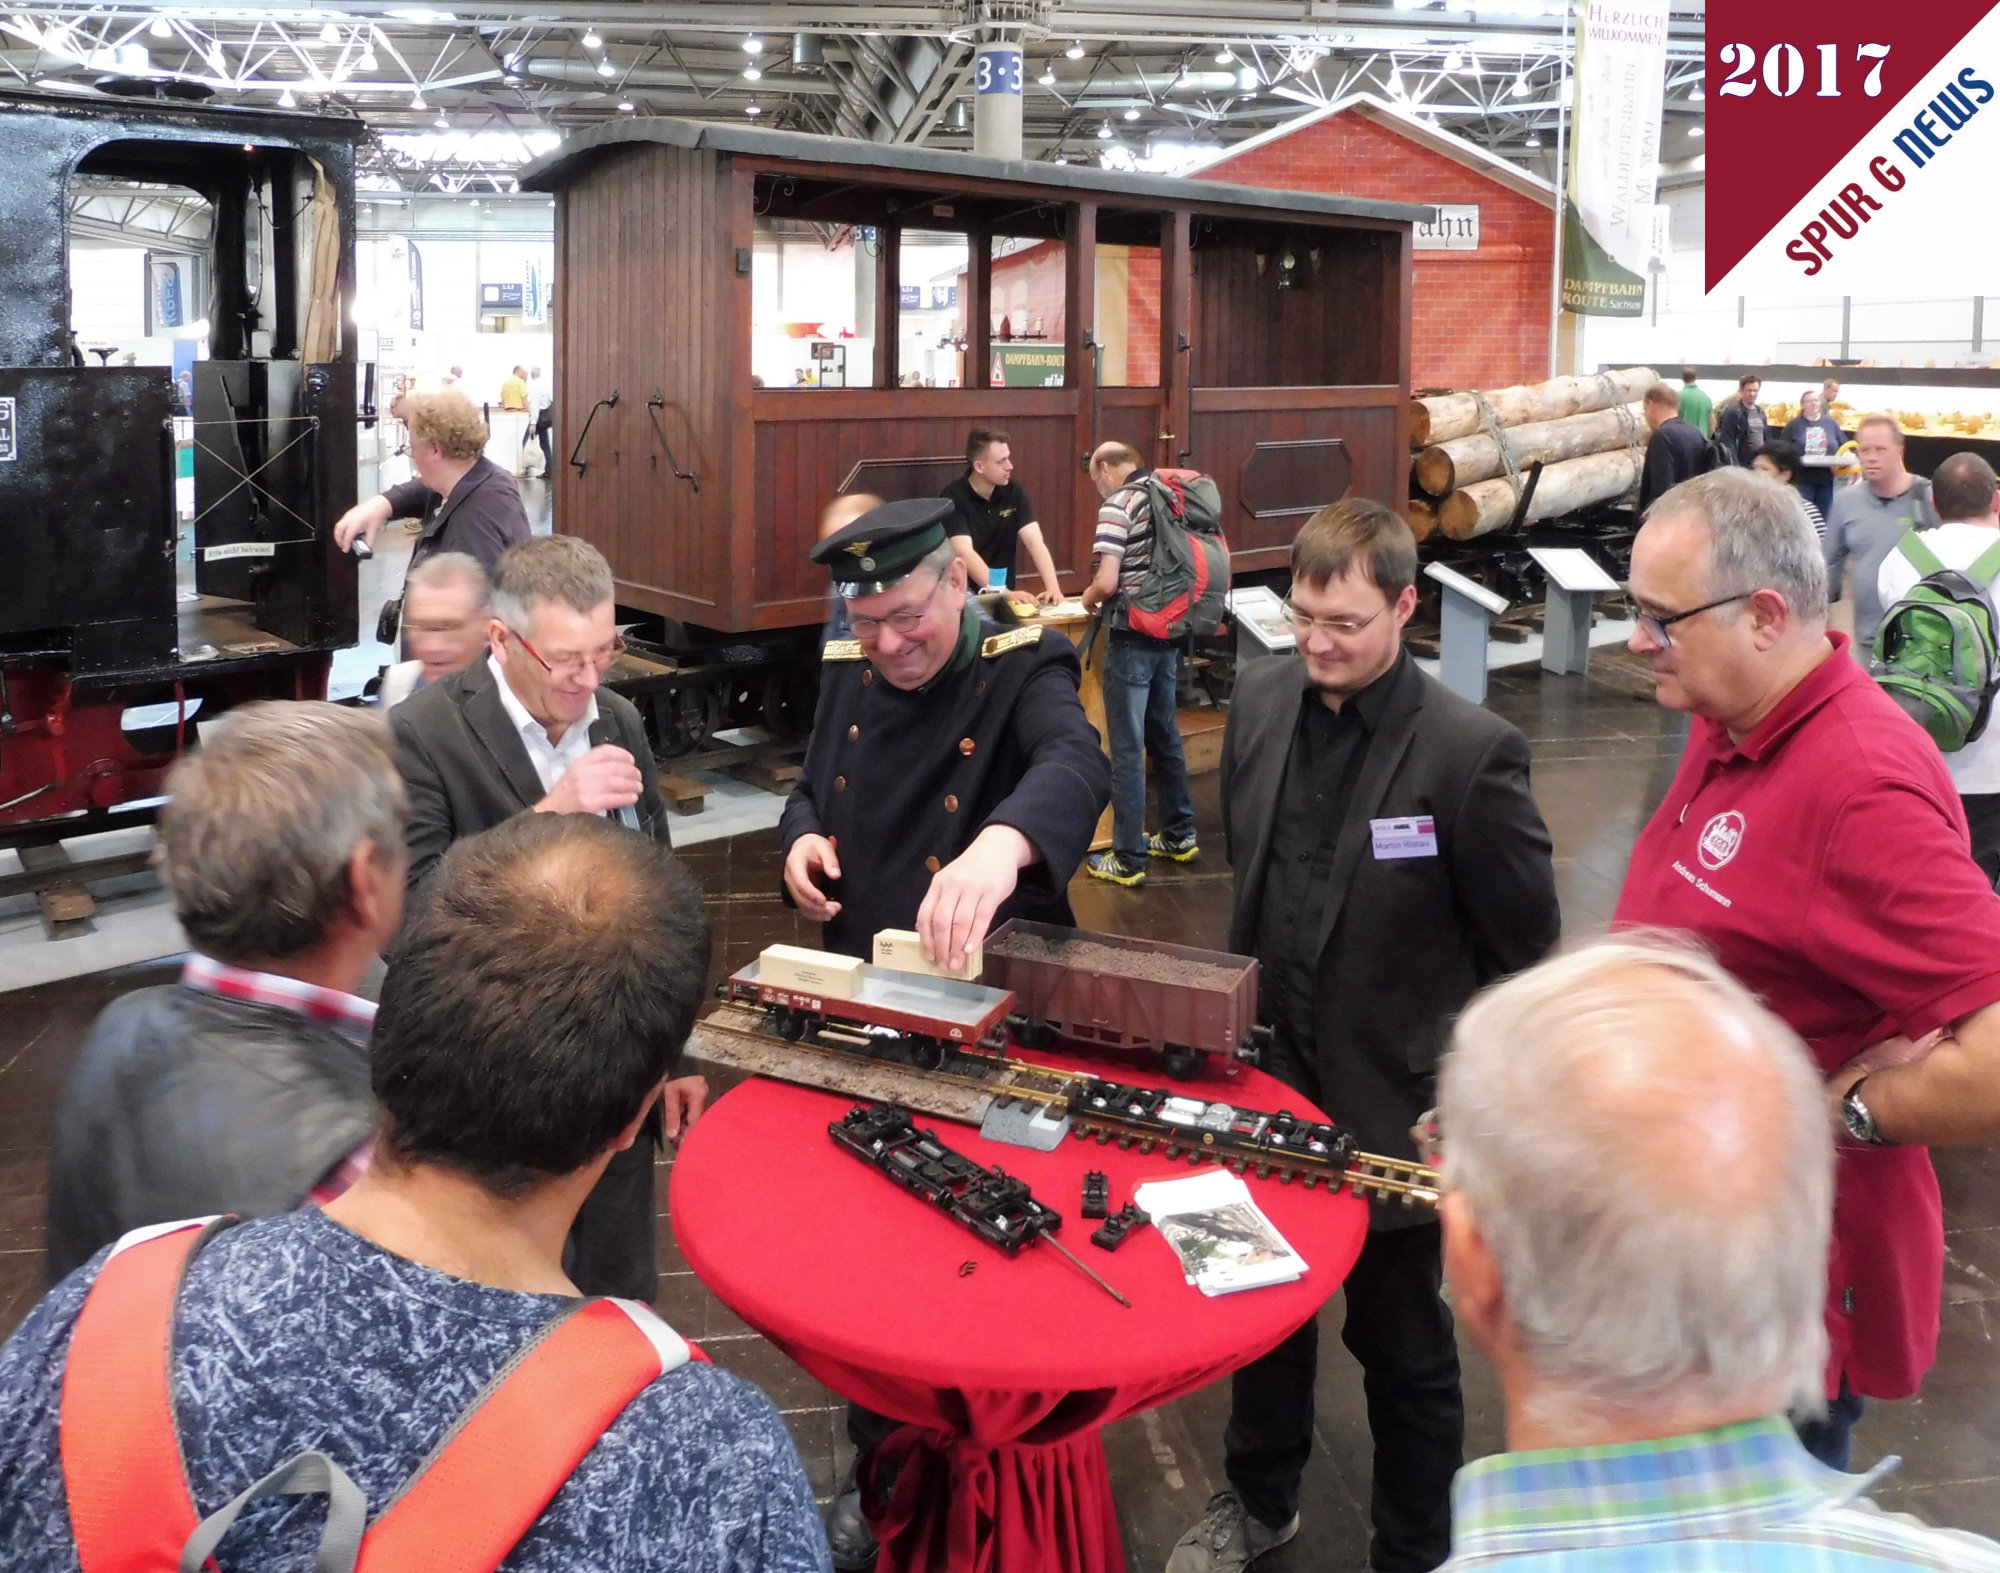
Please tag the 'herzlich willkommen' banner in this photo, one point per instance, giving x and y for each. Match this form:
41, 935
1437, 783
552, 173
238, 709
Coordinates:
1614, 156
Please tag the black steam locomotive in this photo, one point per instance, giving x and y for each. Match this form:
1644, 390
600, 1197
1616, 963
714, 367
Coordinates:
119, 629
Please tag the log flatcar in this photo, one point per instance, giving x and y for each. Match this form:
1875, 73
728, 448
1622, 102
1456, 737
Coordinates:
749, 323
116, 632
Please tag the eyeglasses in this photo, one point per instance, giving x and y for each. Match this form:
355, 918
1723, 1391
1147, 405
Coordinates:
905, 622
1656, 627
600, 659
1303, 626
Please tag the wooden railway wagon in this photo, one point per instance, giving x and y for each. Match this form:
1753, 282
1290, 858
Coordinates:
1110, 991
1262, 336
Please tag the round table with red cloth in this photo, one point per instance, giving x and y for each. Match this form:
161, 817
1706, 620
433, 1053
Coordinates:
1005, 1374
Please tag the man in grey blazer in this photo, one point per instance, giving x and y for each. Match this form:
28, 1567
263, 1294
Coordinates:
529, 730
1389, 862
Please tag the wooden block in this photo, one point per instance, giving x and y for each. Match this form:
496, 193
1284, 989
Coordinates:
1509, 633
812, 971
1201, 739
1423, 644
684, 796
901, 951
773, 775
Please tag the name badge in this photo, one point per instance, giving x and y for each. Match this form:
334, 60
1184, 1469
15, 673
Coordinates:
1405, 838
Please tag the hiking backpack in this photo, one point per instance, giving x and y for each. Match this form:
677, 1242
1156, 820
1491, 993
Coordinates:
1186, 585
1937, 651
481, 1490
1718, 453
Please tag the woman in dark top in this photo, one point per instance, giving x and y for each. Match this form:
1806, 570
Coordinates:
466, 501
1815, 436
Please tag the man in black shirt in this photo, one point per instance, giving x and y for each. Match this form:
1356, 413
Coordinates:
993, 514
1674, 451
1742, 422
1389, 861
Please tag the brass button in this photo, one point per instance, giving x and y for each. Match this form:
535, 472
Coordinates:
853, 732
950, 804
932, 864
840, 783
966, 746
867, 677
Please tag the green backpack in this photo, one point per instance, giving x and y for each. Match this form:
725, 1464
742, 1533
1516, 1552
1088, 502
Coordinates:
1937, 651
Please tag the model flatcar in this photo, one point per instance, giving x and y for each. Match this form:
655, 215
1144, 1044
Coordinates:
900, 1016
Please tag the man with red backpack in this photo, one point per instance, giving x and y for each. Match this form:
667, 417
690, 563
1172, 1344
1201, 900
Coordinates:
1161, 573
408, 1371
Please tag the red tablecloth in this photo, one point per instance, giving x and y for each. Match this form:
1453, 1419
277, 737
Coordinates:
1004, 1374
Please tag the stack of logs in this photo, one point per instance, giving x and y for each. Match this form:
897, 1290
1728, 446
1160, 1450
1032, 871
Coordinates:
1589, 432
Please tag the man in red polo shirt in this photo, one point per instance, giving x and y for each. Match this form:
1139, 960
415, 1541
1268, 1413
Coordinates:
1812, 838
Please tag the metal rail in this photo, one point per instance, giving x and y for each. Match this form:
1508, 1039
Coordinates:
733, 1035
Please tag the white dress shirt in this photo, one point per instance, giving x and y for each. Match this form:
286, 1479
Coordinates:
551, 760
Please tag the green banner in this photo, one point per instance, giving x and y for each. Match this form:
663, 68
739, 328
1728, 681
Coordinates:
1593, 284
1027, 365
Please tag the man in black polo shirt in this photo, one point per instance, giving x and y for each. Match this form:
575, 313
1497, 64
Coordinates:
993, 514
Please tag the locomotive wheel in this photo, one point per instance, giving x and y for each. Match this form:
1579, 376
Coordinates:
682, 719
788, 697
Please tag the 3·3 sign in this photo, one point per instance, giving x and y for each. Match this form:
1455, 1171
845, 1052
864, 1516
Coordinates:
1785, 69
997, 71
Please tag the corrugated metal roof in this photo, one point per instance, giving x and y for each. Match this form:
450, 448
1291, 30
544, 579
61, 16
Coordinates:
552, 172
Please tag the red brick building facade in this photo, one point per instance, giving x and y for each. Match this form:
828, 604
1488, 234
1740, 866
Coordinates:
1481, 317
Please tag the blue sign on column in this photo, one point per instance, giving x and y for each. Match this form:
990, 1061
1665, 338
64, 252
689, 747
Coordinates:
997, 69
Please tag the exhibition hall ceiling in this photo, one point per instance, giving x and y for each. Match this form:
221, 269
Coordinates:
459, 98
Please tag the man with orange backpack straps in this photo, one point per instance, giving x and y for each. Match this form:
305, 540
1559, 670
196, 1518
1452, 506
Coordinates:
406, 1380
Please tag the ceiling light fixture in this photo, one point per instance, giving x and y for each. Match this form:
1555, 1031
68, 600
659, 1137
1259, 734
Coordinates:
287, 101
329, 34
1453, 61
1131, 114
752, 74
1694, 94
1521, 85
160, 28
1695, 131
1062, 158
1104, 132
753, 109
417, 104
1246, 80
626, 105
592, 41
1225, 56
753, 45
1533, 140
443, 121
1075, 50
368, 62
1048, 76
606, 68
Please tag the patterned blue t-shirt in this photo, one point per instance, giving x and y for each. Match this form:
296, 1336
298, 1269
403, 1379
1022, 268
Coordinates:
296, 1334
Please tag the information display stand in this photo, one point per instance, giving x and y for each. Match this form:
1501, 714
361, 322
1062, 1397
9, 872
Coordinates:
1261, 625
1575, 582
1463, 622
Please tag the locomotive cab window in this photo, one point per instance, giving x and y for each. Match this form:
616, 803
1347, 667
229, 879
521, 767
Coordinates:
139, 271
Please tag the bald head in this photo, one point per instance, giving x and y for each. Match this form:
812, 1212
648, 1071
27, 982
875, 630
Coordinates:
1111, 463
1645, 1152
1963, 489
845, 509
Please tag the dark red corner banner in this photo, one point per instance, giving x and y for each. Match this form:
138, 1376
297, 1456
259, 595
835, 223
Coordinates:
1791, 89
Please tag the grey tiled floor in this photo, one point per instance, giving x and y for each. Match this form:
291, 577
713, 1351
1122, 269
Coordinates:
1603, 756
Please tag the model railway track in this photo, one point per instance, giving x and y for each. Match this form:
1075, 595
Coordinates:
966, 1089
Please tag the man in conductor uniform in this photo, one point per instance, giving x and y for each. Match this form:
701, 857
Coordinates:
952, 782
1389, 863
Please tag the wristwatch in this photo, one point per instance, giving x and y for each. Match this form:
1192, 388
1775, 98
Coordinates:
1859, 1122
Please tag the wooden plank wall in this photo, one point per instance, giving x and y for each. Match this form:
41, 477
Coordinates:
643, 277
1230, 422
1336, 329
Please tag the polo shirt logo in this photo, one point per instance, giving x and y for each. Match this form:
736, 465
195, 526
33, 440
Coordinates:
1721, 839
